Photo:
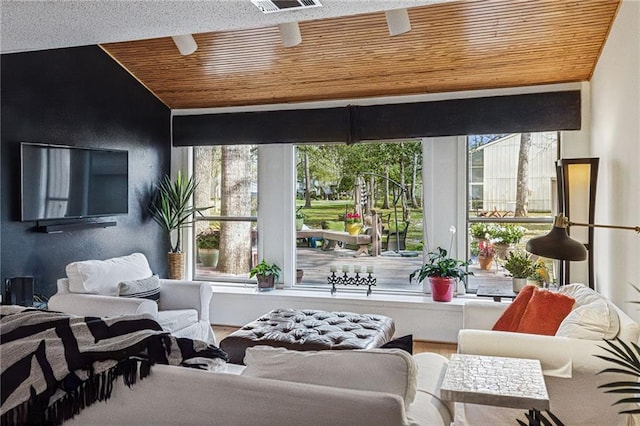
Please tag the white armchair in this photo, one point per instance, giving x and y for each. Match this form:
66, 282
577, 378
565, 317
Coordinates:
568, 363
183, 307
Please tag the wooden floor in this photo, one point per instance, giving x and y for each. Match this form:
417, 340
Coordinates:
445, 349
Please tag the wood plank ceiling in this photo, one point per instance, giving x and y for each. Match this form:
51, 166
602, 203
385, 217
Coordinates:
462, 45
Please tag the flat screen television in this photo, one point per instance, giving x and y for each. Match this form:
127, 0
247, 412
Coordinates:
66, 182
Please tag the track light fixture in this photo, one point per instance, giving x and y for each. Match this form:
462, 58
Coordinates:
185, 44
290, 34
398, 21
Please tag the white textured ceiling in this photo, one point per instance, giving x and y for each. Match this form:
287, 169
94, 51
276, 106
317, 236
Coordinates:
50, 24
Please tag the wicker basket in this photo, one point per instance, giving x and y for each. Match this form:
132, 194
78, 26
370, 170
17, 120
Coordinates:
176, 265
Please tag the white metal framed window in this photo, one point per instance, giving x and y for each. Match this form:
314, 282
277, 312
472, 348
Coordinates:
511, 197
226, 234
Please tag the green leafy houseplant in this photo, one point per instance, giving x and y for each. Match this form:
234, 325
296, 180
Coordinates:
507, 234
481, 231
264, 270
440, 265
208, 239
519, 264
170, 206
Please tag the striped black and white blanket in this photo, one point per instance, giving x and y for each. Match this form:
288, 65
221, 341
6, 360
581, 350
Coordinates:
53, 364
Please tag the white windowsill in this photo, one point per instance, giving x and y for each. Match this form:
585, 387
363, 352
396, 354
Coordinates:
345, 295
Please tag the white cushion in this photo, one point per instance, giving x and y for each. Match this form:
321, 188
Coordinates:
428, 404
582, 294
593, 317
145, 288
594, 321
177, 319
103, 276
379, 370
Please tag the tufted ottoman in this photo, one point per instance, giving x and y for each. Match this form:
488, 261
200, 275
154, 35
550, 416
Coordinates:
309, 330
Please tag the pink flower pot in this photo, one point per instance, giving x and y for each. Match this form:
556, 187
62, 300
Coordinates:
442, 288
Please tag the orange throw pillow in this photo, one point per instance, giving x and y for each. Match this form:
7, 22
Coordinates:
545, 311
510, 318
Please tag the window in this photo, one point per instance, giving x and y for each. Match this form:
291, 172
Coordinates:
226, 235
511, 198
363, 183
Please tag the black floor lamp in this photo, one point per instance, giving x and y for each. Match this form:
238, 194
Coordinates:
557, 244
576, 188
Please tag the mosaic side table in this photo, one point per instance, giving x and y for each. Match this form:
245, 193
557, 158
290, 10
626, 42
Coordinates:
497, 381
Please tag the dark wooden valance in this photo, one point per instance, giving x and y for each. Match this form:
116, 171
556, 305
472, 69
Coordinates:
536, 112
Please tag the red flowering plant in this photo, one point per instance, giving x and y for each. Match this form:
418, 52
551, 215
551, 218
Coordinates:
486, 249
353, 217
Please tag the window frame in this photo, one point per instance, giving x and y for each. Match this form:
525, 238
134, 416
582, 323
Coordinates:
469, 220
193, 244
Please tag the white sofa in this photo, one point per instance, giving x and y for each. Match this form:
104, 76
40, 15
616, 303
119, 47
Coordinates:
568, 363
91, 289
281, 387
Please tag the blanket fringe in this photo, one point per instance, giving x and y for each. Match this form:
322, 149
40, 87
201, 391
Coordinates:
98, 387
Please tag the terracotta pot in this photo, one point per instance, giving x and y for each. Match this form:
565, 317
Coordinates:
265, 283
353, 228
176, 266
485, 262
299, 274
442, 288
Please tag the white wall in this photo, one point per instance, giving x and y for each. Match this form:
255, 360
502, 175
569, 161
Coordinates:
615, 138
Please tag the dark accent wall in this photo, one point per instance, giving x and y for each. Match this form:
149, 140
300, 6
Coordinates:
534, 112
80, 97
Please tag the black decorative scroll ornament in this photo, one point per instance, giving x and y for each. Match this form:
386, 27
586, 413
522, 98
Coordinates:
347, 280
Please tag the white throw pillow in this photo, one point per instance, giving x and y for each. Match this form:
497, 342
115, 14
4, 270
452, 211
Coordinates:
145, 288
103, 276
379, 370
582, 294
593, 317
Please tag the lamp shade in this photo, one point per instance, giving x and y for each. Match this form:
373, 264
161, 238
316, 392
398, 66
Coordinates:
557, 245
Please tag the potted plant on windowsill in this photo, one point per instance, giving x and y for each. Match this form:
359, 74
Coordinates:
486, 252
208, 242
443, 272
170, 208
267, 274
520, 266
539, 274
